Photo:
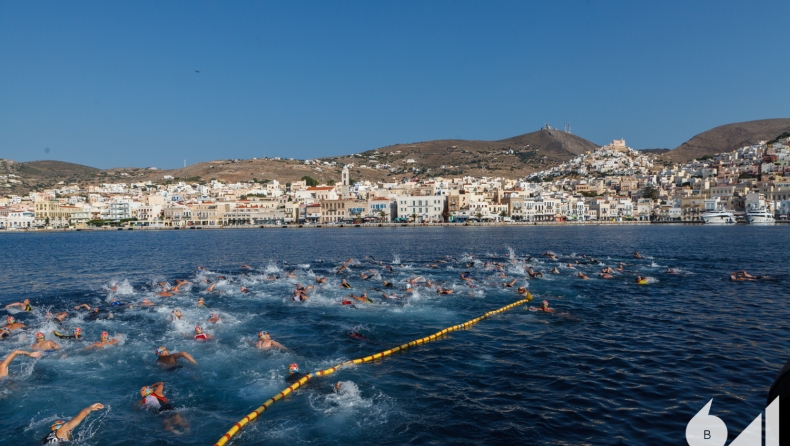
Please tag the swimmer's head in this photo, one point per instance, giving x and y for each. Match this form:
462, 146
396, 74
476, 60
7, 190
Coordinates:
77, 331
201, 301
293, 368
262, 334
198, 330
26, 301
105, 336
57, 425
40, 336
545, 303
10, 320
161, 351
177, 312
145, 391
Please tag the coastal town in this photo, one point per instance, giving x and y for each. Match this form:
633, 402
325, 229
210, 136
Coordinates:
612, 183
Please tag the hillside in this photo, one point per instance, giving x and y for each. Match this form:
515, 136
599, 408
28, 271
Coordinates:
512, 157
727, 138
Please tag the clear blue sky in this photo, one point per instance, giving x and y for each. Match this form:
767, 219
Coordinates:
112, 84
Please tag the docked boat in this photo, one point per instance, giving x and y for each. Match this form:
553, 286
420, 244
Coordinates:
760, 216
719, 217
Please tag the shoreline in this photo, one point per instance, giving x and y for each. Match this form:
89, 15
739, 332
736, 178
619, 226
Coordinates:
368, 225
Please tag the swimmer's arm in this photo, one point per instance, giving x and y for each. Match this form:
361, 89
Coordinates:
85, 306
16, 353
159, 388
65, 431
15, 304
278, 345
186, 356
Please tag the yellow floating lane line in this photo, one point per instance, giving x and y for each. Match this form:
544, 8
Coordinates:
255, 413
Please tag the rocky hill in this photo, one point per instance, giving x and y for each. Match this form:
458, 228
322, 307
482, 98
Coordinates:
727, 138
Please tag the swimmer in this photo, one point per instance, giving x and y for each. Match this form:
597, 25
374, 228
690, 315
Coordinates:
570, 265
114, 287
103, 342
244, 289
353, 334
362, 298
179, 284
61, 431
176, 314
521, 290
7, 360
24, 305
96, 314
320, 280
637, 255
200, 335
58, 317
147, 303
265, 342
11, 324
672, 271
441, 290
582, 276
164, 293
293, 374
43, 344
534, 274
166, 360
75, 334
155, 401
391, 296
245, 266
555, 270
214, 318
387, 284
466, 275
347, 302
620, 267
641, 280
510, 285
544, 307
345, 284
201, 303
4, 333
409, 289
116, 303
606, 270
606, 276
211, 287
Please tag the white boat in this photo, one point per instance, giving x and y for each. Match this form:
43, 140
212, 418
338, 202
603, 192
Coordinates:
720, 217
760, 216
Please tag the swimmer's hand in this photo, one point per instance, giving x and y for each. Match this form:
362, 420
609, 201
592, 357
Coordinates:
97, 406
36, 354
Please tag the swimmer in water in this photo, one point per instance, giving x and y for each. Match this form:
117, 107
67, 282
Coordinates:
534, 274
96, 314
176, 314
200, 335
387, 284
179, 284
265, 342
245, 266
570, 265
637, 255
103, 342
641, 280
211, 287
155, 401
345, 284
4, 333
353, 334
201, 303
114, 287
61, 430
544, 307
24, 305
620, 267
43, 344
75, 334
293, 374
362, 298
441, 290
582, 276
7, 360
606, 276
58, 317
555, 270
244, 289
320, 280
347, 302
521, 290
214, 318
166, 360
606, 270
147, 303
510, 284
671, 271
11, 324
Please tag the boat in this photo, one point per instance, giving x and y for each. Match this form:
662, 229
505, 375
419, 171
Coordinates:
760, 216
719, 217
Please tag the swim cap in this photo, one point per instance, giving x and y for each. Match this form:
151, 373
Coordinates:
57, 425
145, 391
161, 351
104, 336
546, 303
10, 320
198, 330
77, 331
261, 334
39, 335
293, 368
26, 301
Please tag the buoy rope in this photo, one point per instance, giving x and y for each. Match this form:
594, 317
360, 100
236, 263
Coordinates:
255, 413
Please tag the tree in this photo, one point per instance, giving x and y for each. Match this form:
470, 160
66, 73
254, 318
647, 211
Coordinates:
331, 182
650, 192
311, 182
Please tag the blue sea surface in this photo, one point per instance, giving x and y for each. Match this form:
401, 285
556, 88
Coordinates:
617, 363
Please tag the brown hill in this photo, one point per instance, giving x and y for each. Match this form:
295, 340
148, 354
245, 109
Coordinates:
727, 138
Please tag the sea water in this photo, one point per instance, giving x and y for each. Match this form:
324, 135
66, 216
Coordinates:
617, 363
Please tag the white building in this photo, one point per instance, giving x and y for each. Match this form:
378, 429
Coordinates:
427, 208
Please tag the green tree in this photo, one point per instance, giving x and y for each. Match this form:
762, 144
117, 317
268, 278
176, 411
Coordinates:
331, 182
650, 192
311, 182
